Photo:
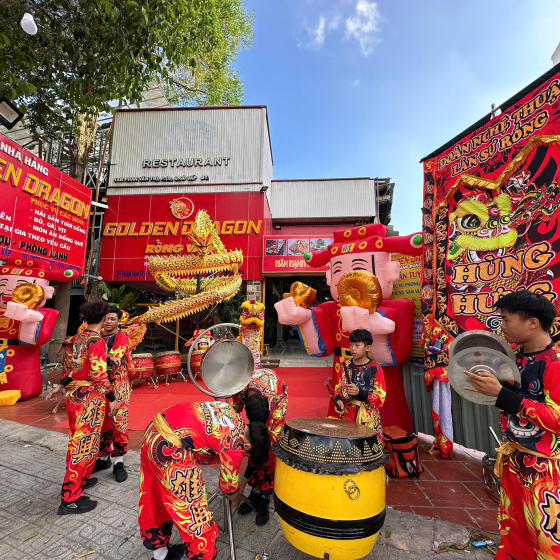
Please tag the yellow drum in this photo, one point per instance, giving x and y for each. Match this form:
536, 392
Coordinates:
329, 487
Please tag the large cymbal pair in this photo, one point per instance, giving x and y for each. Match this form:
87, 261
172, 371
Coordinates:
476, 351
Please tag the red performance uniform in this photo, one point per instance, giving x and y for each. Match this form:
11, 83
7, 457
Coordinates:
268, 384
114, 434
363, 408
529, 512
172, 491
85, 376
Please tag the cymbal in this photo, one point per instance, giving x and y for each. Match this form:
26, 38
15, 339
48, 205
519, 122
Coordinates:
227, 367
478, 359
485, 339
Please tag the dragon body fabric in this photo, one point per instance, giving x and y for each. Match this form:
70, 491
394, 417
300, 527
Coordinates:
217, 267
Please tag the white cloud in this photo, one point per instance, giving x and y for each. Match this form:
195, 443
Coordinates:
364, 25
355, 83
317, 34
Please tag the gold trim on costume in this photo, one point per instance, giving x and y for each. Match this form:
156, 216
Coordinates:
507, 449
165, 431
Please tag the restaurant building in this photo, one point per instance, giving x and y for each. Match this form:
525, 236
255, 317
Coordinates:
168, 163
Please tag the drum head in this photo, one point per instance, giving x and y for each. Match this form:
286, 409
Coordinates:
227, 367
484, 339
480, 359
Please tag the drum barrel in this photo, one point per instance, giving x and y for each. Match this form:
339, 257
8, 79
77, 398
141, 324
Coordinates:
168, 362
328, 498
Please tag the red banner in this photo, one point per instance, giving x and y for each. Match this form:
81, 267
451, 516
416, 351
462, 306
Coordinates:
139, 226
44, 213
283, 254
490, 221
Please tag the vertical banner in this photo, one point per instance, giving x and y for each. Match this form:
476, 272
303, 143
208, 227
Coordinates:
408, 287
490, 222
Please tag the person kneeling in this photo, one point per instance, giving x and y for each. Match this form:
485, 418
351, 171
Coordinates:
172, 491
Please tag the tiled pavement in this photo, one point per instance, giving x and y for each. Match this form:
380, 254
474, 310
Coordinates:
31, 471
447, 489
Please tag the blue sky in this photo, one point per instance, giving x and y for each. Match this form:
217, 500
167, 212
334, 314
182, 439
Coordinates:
359, 88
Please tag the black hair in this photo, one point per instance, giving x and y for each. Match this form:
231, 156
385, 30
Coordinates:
260, 442
528, 305
118, 312
256, 407
361, 335
93, 311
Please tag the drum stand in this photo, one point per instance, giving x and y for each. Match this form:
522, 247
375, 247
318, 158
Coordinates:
228, 523
180, 372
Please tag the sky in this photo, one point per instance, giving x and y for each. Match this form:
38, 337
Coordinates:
357, 88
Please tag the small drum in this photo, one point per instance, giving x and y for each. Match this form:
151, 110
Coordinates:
168, 363
199, 350
143, 365
329, 487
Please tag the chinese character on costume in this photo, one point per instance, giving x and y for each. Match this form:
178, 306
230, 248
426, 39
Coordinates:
87, 386
265, 399
114, 434
172, 491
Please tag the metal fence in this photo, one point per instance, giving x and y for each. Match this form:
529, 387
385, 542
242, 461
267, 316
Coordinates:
470, 421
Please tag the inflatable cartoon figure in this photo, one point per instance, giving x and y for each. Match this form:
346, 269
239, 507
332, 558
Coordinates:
24, 325
252, 321
360, 261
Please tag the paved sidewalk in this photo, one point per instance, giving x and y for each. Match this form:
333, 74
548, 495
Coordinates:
31, 472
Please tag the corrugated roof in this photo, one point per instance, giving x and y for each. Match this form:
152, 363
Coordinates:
308, 199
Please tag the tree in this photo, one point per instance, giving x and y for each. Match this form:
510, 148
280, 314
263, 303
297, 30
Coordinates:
124, 298
91, 55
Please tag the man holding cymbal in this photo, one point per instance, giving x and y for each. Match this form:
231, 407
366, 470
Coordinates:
528, 462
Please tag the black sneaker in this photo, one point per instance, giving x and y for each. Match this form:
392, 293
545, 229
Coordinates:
101, 465
263, 513
175, 551
81, 505
90, 483
245, 509
120, 473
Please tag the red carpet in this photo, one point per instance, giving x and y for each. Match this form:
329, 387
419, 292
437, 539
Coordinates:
308, 396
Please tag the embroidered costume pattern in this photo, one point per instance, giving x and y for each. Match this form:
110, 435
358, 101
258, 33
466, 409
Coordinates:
530, 500
85, 376
114, 434
172, 490
271, 386
363, 407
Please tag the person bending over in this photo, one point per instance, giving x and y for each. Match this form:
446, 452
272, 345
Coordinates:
265, 400
172, 492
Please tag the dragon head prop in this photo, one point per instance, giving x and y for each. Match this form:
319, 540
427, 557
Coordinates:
252, 313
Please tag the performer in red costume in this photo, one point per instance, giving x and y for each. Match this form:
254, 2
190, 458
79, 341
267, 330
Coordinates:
87, 390
172, 491
24, 330
325, 329
265, 400
114, 434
